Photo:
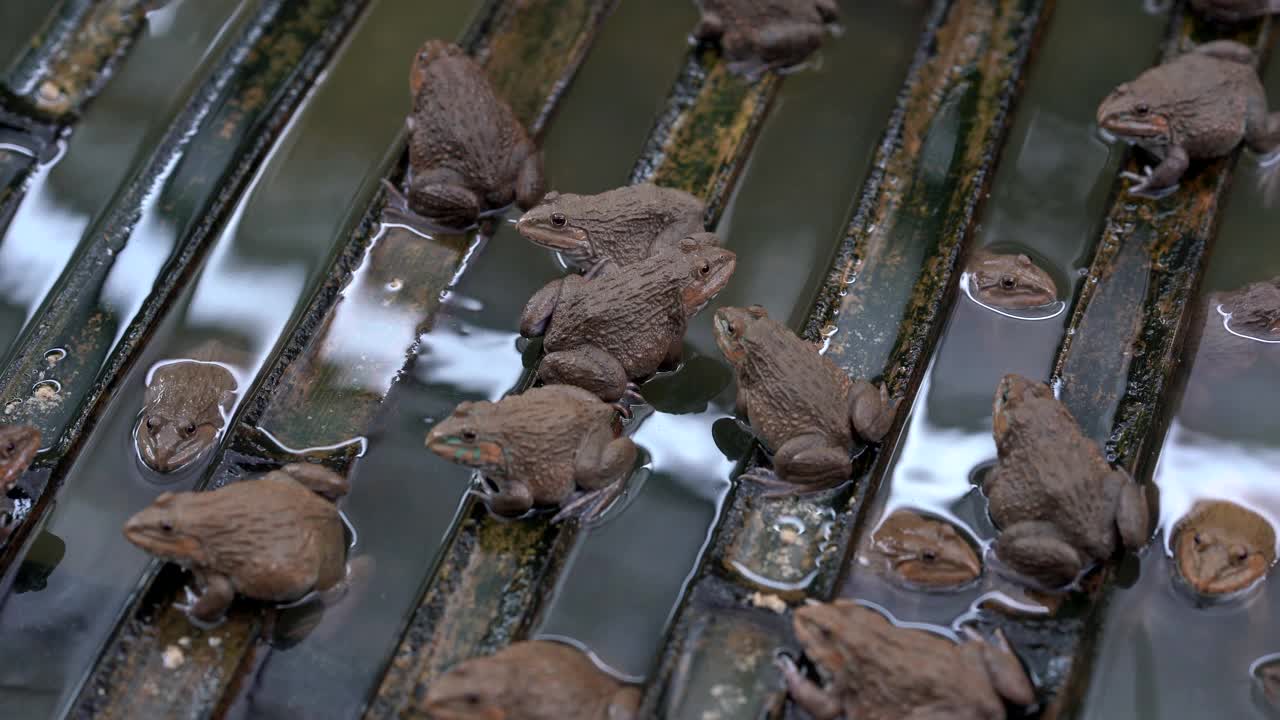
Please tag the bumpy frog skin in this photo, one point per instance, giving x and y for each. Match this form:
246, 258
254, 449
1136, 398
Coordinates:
1235, 10
1222, 548
1199, 105
924, 552
275, 538
182, 411
18, 447
537, 448
530, 680
765, 34
803, 407
1009, 281
1059, 505
624, 225
876, 670
469, 155
620, 325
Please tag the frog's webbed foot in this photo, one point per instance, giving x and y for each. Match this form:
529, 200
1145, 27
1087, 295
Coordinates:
871, 411
630, 398
806, 693
589, 505
1163, 179
1037, 550
774, 486
589, 367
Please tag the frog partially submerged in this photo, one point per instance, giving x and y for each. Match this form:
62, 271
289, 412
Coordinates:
183, 410
1060, 506
875, 670
1221, 548
803, 407
756, 35
529, 680
624, 225
469, 155
276, 538
1009, 281
618, 325
1234, 323
924, 552
1200, 105
537, 448
1235, 10
18, 447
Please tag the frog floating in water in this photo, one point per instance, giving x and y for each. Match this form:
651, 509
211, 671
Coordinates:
624, 225
803, 407
756, 35
1235, 10
530, 680
617, 325
1221, 548
18, 447
182, 414
879, 671
1200, 105
1009, 281
924, 552
538, 447
1059, 505
1234, 322
276, 538
469, 155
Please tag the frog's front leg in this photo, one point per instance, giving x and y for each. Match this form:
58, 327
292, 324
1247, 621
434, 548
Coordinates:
815, 701
507, 497
216, 595
786, 43
1038, 550
589, 367
675, 353
538, 311
1165, 175
871, 412
812, 461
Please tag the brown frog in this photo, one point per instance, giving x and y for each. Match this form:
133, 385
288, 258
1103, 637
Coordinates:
182, 413
1234, 321
765, 34
1199, 105
1009, 281
616, 325
1222, 548
1235, 10
923, 552
1060, 506
623, 225
275, 538
876, 670
803, 407
529, 680
18, 447
537, 448
469, 155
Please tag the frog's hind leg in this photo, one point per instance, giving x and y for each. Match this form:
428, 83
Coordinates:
531, 183
812, 461
1038, 550
589, 367
603, 459
807, 694
1262, 129
871, 412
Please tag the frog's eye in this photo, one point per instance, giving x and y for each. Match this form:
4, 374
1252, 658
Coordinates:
152, 423
1142, 108
1239, 554
1008, 282
9, 447
472, 699
733, 329
189, 429
928, 556
1197, 539
558, 219
469, 436
704, 268
167, 527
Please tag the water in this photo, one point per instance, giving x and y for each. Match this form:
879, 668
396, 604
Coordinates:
625, 578
19, 23
1222, 445
150, 87
1048, 193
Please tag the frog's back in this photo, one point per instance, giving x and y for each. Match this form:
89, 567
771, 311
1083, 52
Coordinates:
1206, 99
794, 390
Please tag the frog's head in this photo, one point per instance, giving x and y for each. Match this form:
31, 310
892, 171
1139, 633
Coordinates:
166, 529
926, 552
1255, 310
1130, 114
709, 269
18, 447
1223, 548
1011, 281
561, 222
466, 437
472, 690
430, 51
1012, 394
731, 325
167, 444
182, 413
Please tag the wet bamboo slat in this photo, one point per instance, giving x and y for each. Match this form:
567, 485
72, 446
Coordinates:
311, 396
879, 312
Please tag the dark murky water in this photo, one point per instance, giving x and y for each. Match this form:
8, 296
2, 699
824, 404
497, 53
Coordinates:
19, 22
1048, 193
1224, 444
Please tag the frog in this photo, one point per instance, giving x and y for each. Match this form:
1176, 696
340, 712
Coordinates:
876, 670
1222, 548
623, 225
1060, 506
1200, 105
802, 407
537, 448
918, 551
1233, 320
18, 447
184, 408
529, 680
610, 329
1233, 11
1266, 675
758, 35
1009, 281
469, 155
275, 538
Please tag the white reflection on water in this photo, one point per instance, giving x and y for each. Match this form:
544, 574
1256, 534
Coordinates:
472, 359
41, 237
